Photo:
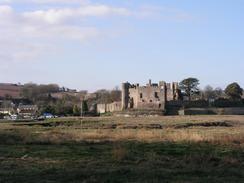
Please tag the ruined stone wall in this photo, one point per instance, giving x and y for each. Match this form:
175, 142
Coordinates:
152, 97
101, 108
133, 96
172, 91
125, 95
113, 107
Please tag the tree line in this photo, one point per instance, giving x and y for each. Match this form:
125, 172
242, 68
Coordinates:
190, 88
41, 95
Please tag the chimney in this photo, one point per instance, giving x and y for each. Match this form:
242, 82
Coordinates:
150, 82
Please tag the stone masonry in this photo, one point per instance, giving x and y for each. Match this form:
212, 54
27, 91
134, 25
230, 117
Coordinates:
153, 96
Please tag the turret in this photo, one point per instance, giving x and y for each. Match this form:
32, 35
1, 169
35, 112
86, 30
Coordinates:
150, 82
125, 95
175, 90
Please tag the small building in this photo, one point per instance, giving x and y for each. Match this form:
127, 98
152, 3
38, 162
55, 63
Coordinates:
27, 110
6, 111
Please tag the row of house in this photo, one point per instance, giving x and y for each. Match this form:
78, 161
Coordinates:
23, 111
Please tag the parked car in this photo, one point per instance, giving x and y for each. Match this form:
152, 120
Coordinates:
41, 118
48, 116
14, 116
7, 117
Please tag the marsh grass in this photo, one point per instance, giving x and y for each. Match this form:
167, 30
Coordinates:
61, 150
119, 153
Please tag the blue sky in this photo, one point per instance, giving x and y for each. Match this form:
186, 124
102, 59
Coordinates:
99, 44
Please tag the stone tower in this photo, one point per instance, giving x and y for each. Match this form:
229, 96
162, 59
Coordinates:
125, 95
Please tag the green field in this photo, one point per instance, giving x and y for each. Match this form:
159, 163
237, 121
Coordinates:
117, 149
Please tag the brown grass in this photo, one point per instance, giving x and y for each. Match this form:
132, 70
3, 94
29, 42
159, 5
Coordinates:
119, 153
171, 135
74, 133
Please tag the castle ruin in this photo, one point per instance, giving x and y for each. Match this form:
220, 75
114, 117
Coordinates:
153, 96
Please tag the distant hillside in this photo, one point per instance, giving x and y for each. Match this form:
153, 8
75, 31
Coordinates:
10, 90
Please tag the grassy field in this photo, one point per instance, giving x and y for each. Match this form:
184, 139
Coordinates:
116, 149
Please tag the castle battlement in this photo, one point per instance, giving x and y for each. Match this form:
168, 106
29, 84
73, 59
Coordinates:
152, 96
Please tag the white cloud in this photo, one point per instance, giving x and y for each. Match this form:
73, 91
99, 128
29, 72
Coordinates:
162, 13
20, 31
6, 12
4, 9
53, 16
47, 1
58, 1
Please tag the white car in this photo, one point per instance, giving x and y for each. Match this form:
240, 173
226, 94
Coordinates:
14, 117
